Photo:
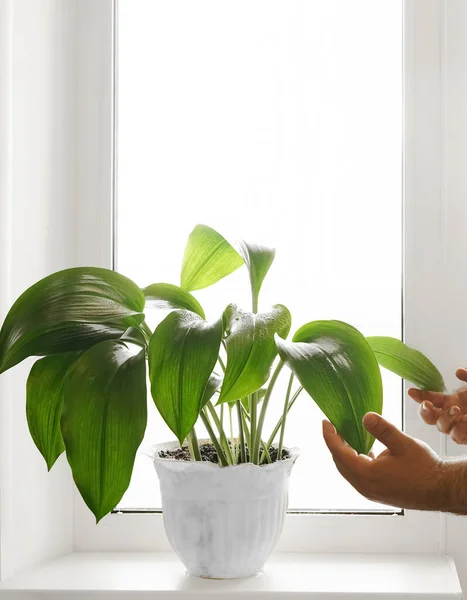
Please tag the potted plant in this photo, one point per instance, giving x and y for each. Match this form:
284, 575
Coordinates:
224, 498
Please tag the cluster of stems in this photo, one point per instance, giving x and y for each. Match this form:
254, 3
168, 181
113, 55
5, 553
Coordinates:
249, 446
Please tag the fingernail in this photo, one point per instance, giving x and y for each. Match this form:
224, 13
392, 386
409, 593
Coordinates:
370, 419
452, 411
424, 406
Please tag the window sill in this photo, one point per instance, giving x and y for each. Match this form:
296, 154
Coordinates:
161, 576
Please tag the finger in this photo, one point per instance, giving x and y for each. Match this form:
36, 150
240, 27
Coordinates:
341, 452
461, 374
429, 413
436, 398
394, 440
447, 419
459, 431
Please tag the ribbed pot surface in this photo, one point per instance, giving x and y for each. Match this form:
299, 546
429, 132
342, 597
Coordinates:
222, 522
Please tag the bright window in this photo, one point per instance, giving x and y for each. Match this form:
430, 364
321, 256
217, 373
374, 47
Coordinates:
280, 122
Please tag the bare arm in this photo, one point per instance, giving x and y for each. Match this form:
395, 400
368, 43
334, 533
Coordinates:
408, 474
455, 486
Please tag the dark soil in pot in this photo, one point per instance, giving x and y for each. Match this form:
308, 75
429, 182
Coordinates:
209, 454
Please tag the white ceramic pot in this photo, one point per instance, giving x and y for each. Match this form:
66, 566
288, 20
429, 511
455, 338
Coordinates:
222, 522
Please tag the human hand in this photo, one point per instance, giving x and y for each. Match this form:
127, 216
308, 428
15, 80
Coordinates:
447, 411
408, 474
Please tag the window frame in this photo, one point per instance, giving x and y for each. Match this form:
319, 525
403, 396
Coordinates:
424, 239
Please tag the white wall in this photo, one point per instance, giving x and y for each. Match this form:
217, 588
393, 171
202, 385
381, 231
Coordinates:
454, 115
36, 217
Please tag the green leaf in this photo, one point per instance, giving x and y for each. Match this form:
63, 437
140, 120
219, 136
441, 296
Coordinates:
258, 259
134, 335
208, 258
69, 310
246, 405
44, 403
103, 421
406, 362
182, 353
166, 295
212, 386
338, 369
251, 349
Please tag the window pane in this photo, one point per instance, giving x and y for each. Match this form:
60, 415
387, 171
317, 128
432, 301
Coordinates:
276, 121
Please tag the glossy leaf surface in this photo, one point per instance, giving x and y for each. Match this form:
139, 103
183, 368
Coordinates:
182, 353
208, 258
251, 349
44, 403
69, 310
258, 260
337, 367
166, 295
103, 421
406, 362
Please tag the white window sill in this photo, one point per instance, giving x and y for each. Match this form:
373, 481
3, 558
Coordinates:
161, 576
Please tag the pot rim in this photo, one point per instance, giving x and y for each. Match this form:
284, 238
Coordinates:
153, 450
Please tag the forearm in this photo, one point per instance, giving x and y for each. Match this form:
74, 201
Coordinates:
453, 487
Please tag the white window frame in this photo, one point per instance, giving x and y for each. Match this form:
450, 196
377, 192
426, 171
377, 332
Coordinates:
54, 520
412, 531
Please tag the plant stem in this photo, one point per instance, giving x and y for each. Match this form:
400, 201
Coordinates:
279, 423
212, 435
245, 418
221, 362
241, 433
146, 330
221, 418
223, 438
265, 455
246, 430
252, 404
232, 439
255, 458
193, 445
254, 302
284, 417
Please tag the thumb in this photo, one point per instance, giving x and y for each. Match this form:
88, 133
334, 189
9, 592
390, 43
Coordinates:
461, 374
394, 440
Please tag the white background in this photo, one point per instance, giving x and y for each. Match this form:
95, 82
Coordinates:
279, 122
55, 192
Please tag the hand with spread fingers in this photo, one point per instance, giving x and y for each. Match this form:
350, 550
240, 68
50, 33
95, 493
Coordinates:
447, 411
407, 474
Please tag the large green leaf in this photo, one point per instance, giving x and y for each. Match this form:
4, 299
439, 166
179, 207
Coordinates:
406, 362
166, 295
251, 349
258, 259
208, 258
103, 421
69, 310
182, 353
338, 369
44, 403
